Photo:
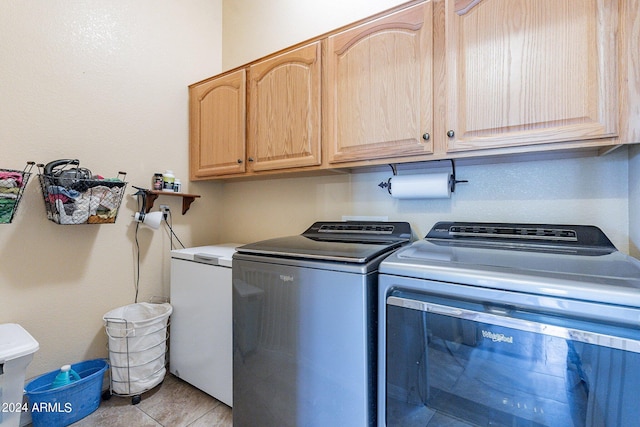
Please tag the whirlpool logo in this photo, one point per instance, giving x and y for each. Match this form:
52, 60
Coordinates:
497, 337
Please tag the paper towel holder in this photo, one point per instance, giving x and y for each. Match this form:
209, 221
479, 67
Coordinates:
452, 177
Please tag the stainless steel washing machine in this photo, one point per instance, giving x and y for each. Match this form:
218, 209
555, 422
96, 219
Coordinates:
304, 331
509, 324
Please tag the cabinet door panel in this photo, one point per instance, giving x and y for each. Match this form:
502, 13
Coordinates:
217, 122
284, 110
379, 87
528, 72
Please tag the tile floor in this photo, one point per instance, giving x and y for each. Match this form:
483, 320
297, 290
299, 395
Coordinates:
174, 403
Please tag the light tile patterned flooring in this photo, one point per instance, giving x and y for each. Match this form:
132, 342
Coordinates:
174, 403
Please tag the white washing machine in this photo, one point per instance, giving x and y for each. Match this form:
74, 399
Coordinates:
201, 333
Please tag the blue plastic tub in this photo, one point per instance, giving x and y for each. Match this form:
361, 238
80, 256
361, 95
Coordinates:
66, 405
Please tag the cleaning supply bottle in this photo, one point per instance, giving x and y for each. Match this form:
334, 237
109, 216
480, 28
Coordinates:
167, 180
65, 376
157, 181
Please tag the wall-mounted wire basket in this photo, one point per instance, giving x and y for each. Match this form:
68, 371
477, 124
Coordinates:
12, 185
73, 200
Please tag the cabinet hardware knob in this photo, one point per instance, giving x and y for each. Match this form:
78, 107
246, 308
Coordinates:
450, 134
239, 160
426, 136
250, 159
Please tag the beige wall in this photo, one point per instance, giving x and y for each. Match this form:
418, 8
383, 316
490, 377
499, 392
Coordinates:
253, 28
592, 190
104, 82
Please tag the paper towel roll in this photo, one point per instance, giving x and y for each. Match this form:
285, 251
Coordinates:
427, 186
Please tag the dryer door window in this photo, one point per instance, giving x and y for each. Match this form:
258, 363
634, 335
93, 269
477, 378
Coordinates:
462, 363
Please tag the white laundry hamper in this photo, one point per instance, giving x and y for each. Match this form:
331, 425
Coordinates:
137, 344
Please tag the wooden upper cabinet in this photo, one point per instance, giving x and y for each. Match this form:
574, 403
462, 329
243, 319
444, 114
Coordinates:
427, 80
379, 88
284, 129
522, 72
217, 118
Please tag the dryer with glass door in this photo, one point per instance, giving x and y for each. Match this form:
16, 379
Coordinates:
512, 325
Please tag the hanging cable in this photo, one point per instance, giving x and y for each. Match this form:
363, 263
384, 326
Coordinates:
141, 198
168, 220
171, 232
137, 278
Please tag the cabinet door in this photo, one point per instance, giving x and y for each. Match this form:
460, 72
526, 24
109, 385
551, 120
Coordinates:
284, 110
379, 86
217, 126
525, 72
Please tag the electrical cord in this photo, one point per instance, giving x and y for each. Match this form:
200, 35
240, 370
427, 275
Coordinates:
137, 267
168, 220
171, 232
142, 203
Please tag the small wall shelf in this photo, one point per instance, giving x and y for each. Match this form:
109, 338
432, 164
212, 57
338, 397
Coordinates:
187, 199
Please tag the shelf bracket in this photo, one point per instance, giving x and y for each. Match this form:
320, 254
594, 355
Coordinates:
152, 195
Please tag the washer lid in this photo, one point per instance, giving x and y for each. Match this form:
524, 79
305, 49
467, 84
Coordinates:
611, 277
214, 254
322, 250
343, 241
